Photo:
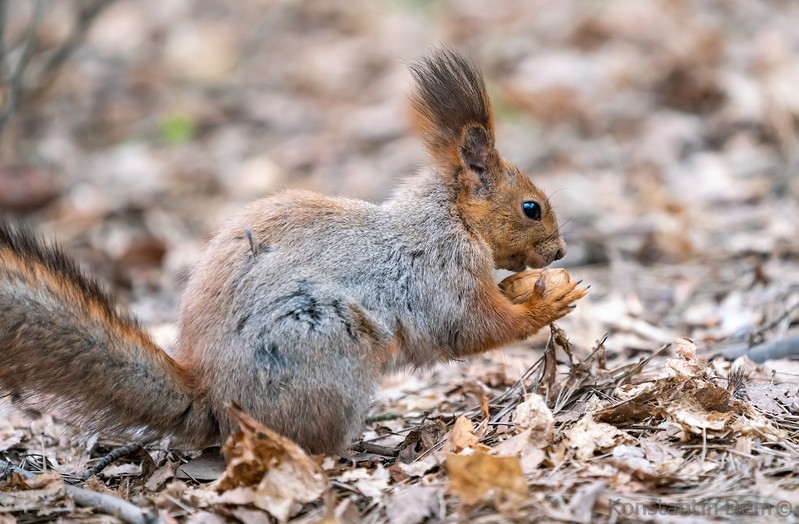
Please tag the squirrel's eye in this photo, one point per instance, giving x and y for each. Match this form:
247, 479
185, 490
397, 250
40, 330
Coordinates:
532, 209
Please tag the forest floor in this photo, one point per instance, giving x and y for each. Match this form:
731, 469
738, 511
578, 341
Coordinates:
666, 132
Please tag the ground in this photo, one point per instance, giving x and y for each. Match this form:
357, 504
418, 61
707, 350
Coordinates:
666, 133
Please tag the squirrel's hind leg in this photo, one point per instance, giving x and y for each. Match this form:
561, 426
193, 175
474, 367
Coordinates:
312, 370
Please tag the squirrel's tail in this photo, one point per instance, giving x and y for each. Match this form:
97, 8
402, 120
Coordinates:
62, 344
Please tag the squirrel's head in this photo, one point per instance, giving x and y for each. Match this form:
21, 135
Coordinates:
494, 198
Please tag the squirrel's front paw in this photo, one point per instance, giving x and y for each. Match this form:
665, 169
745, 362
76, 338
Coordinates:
549, 293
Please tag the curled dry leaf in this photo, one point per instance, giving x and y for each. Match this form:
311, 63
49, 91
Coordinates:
282, 474
533, 414
685, 348
686, 364
588, 436
462, 435
420, 440
478, 476
698, 421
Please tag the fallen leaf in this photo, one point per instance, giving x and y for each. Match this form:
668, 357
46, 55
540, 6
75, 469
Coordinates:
582, 503
462, 437
161, 476
526, 446
685, 348
765, 396
697, 421
419, 467
588, 436
533, 414
37, 493
370, 483
282, 473
419, 441
479, 476
208, 466
250, 516
413, 505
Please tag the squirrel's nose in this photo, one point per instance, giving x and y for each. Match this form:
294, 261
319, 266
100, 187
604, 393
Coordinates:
560, 253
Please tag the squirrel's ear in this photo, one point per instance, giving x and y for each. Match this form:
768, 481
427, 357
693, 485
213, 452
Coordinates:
476, 148
453, 114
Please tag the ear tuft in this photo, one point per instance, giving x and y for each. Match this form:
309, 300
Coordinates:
453, 114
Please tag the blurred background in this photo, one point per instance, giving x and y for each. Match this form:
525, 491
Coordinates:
666, 131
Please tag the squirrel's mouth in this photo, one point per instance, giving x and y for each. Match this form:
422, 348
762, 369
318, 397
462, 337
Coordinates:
517, 264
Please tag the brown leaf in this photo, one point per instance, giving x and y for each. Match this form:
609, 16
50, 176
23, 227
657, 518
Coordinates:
282, 473
419, 441
462, 436
36, 493
161, 476
479, 476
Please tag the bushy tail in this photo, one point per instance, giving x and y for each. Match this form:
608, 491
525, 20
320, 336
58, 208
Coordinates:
453, 113
63, 344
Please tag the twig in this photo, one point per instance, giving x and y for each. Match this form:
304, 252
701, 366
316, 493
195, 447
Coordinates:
53, 66
787, 347
785, 315
107, 504
103, 463
383, 417
15, 83
111, 505
368, 447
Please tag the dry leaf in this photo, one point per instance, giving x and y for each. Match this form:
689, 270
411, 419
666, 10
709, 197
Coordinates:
461, 436
528, 449
685, 348
413, 505
582, 503
588, 436
36, 493
479, 476
370, 483
420, 440
419, 467
697, 421
533, 414
282, 473
766, 396
161, 476
251, 516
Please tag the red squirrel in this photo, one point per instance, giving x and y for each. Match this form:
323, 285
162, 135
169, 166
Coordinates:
302, 301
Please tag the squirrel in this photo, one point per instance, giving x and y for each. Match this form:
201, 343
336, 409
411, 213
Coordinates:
302, 301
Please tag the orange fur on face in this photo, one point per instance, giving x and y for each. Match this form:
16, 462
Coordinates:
515, 240
454, 118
